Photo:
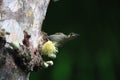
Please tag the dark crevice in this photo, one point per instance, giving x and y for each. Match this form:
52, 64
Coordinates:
26, 39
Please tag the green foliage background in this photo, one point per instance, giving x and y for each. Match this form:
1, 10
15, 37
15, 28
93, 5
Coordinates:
93, 56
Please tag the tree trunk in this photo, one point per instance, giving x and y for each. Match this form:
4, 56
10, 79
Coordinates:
10, 71
23, 20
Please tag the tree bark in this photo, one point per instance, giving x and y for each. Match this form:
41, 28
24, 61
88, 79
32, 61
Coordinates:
23, 20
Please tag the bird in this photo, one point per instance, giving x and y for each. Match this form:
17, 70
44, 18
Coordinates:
61, 38
50, 47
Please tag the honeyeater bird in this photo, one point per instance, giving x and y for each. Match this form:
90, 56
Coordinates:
50, 47
61, 38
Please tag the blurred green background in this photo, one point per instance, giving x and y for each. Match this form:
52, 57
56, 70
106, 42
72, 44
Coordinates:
95, 55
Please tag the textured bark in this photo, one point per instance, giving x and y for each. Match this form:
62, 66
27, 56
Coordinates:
23, 20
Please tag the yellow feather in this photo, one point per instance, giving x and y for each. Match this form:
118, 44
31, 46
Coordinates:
49, 49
